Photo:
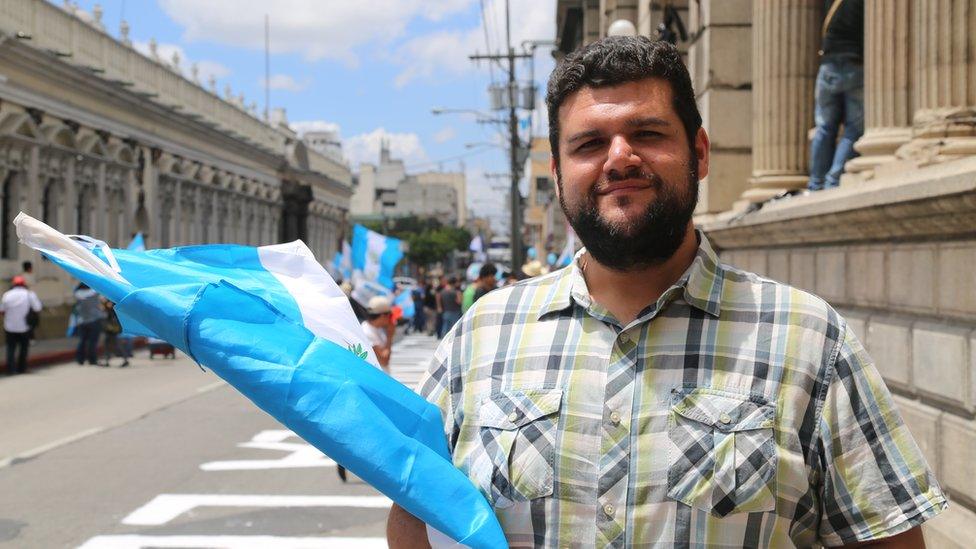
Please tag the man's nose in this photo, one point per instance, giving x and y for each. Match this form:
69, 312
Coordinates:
621, 156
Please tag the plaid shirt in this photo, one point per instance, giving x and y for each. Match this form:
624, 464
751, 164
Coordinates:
735, 412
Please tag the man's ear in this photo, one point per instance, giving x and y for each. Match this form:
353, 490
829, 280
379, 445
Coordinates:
701, 150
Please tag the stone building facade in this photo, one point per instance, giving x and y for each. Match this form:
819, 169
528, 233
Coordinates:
98, 139
893, 247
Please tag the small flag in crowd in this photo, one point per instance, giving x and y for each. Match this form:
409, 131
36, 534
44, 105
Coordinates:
374, 256
273, 324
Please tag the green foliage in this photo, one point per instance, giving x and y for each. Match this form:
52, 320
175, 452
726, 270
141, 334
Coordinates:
429, 240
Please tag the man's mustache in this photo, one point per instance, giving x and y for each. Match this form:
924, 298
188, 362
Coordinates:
634, 173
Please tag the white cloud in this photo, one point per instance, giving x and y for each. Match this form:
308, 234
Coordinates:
316, 29
365, 147
208, 68
447, 51
445, 134
285, 82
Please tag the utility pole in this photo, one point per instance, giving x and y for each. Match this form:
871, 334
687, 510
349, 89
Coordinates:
267, 69
515, 229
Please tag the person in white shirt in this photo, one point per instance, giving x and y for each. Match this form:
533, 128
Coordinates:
15, 304
378, 327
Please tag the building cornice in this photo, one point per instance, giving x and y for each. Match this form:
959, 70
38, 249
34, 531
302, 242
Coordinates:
933, 203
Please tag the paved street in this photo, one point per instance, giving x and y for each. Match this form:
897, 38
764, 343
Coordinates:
163, 455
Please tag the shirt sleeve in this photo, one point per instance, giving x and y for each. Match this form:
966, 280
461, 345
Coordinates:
875, 481
435, 387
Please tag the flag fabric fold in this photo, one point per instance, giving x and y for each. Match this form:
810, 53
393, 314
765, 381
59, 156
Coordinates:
233, 309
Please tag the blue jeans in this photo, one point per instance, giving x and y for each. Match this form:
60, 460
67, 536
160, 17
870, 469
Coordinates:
448, 320
839, 98
88, 335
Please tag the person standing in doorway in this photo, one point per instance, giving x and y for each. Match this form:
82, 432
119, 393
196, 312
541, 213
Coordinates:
16, 304
90, 318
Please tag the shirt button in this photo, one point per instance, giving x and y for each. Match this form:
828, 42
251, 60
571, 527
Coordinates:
615, 418
608, 509
513, 416
725, 419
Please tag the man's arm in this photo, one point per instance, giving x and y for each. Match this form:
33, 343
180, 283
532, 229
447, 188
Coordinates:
382, 355
910, 539
405, 531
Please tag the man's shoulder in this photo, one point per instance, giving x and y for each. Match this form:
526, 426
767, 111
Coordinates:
746, 291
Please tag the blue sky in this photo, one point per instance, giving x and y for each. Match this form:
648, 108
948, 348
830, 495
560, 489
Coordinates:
374, 68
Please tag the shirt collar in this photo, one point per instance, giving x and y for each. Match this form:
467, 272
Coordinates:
701, 283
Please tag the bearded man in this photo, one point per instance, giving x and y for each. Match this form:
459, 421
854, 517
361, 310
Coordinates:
649, 395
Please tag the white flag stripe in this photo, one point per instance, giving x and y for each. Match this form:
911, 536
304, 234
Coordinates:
325, 309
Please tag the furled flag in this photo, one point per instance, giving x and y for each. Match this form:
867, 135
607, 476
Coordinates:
138, 244
273, 324
345, 265
374, 256
569, 250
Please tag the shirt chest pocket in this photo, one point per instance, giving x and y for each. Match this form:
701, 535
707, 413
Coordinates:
516, 448
722, 456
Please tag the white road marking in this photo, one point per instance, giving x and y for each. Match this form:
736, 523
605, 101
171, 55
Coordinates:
34, 452
230, 542
166, 507
301, 454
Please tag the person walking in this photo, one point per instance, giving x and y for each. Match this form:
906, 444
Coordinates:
839, 93
113, 341
17, 304
90, 318
649, 395
449, 305
430, 308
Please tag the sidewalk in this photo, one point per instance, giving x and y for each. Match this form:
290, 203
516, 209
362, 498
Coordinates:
45, 352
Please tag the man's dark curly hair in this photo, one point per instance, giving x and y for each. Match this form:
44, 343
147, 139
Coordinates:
617, 60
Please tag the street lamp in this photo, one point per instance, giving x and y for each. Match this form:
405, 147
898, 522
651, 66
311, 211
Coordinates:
622, 27
480, 117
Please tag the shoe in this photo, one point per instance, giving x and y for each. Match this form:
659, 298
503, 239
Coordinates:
124, 364
342, 473
106, 364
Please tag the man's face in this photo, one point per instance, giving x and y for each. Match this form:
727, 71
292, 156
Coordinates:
627, 179
489, 282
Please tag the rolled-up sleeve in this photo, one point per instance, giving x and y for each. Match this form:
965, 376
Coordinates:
875, 481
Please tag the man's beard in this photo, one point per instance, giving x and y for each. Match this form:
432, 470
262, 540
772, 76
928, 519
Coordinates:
650, 239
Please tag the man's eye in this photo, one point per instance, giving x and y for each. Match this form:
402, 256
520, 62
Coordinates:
592, 143
648, 133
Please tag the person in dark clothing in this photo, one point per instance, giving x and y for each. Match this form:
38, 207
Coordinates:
839, 93
430, 307
90, 318
449, 305
419, 315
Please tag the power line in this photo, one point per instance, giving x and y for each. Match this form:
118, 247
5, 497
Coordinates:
448, 158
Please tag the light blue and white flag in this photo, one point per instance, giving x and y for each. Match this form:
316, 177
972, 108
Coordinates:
404, 300
138, 243
374, 256
273, 324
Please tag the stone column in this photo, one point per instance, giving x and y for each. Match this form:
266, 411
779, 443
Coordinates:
944, 121
887, 93
785, 39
